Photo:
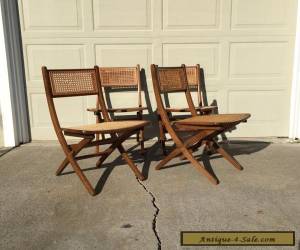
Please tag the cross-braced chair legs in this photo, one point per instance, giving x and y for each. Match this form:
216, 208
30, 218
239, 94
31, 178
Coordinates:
82, 82
75, 149
203, 127
183, 149
72, 151
227, 156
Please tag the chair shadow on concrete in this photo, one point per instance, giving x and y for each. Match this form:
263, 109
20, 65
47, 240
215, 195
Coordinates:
134, 153
154, 154
234, 147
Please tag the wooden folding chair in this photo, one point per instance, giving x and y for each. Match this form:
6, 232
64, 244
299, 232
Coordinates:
203, 127
120, 79
195, 83
82, 82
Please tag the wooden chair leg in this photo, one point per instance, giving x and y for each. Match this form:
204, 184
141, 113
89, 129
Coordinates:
162, 137
62, 166
118, 141
199, 166
104, 157
138, 115
98, 120
81, 175
75, 149
163, 147
227, 156
130, 163
209, 147
70, 155
106, 153
140, 136
177, 152
182, 157
97, 150
169, 157
142, 141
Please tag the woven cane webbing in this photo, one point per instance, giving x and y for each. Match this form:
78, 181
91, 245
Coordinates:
113, 126
172, 79
73, 82
192, 77
119, 77
215, 119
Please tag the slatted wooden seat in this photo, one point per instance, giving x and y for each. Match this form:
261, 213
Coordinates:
195, 81
118, 79
82, 82
204, 128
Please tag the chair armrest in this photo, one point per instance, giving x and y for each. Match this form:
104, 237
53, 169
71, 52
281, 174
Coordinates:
92, 109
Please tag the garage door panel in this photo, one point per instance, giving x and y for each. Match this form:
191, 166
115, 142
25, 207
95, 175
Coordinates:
255, 130
258, 59
120, 14
207, 55
178, 99
53, 56
261, 104
52, 15
260, 13
125, 99
194, 14
267, 108
124, 55
66, 115
212, 97
271, 83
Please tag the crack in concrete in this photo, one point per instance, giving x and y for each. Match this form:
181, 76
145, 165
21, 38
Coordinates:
154, 221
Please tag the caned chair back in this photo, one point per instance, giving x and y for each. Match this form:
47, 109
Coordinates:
175, 83
119, 76
170, 79
194, 80
192, 73
122, 78
72, 82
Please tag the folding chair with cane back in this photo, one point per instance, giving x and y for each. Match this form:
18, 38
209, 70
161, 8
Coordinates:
82, 82
195, 83
203, 127
120, 79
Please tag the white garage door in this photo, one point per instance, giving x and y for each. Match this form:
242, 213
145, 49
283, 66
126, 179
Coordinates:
244, 46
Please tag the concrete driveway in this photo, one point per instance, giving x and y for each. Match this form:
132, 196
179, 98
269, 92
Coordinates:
41, 211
